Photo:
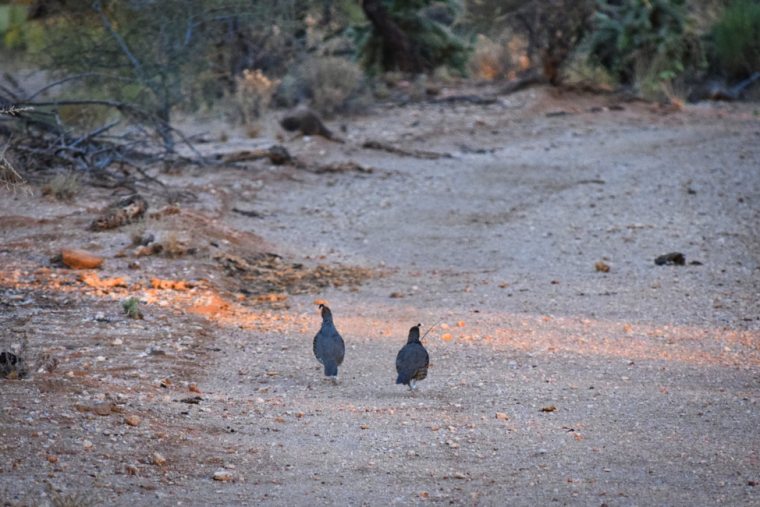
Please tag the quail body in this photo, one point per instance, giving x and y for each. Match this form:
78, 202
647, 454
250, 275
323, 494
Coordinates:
412, 360
328, 345
306, 122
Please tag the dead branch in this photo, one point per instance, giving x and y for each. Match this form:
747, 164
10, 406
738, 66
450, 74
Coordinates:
473, 99
427, 155
521, 84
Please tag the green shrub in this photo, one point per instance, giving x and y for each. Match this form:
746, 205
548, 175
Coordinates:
627, 35
132, 308
432, 44
737, 38
64, 186
331, 85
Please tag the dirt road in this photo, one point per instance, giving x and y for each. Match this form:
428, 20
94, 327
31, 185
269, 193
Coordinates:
552, 383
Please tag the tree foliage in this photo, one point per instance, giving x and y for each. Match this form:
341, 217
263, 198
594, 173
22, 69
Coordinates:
552, 29
401, 36
157, 54
737, 38
626, 31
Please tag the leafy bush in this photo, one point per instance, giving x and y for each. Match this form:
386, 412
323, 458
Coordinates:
251, 99
64, 186
543, 34
132, 308
628, 33
331, 85
430, 43
489, 59
737, 38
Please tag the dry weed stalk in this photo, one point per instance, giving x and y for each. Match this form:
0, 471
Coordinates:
10, 179
71, 499
65, 186
253, 95
13, 359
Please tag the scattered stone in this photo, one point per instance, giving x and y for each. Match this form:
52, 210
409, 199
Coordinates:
550, 408
222, 475
501, 416
397, 295
80, 259
133, 420
132, 470
157, 459
52, 459
604, 268
152, 249
147, 239
459, 475
278, 155
673, 258
134, 265
102, 409
192, 401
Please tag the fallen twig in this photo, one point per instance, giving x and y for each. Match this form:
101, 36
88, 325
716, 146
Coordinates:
428, 155
474, 99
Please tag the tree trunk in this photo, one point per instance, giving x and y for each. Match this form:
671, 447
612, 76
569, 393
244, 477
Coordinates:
395, 41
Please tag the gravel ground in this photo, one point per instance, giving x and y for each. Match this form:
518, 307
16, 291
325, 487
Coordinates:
551, 383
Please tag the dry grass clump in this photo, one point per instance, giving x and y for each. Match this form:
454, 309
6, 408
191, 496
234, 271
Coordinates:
253, 94
13, 359
71, 499
658, 83
331, 85
266, 274
501, 58
173, 246
10, 179
136, 232
64, 186
49, 498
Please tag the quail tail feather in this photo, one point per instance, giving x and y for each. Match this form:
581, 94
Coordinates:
331, 368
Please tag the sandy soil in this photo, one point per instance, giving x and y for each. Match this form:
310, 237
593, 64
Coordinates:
551, 383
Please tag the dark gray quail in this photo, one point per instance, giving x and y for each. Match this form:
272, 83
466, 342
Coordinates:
306, 122
328, 345
412, 360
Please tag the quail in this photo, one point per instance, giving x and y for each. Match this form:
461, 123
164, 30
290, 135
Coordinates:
412, 360
328, 345
306, 122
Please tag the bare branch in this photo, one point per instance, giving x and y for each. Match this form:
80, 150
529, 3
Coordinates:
72, 78
95, 133
122, 43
